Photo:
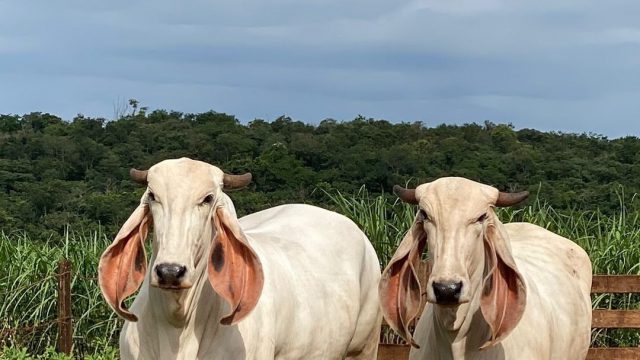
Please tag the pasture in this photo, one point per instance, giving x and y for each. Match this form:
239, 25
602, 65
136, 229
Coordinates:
28, 292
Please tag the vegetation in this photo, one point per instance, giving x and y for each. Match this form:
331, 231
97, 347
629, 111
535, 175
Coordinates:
57, 175
50, 353
28, 294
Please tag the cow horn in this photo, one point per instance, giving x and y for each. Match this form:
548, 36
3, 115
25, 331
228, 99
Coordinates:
139, 176
508, 199
236, 181
406, 195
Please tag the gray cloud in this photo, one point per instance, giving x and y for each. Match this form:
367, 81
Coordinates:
569, 65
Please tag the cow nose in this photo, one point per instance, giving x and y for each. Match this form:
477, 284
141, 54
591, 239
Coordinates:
170, 274
447, 293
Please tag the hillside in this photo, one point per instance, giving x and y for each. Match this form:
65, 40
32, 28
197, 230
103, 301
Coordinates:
55, 173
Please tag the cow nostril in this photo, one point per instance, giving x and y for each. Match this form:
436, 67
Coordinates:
181, 271
170, 274
447, 293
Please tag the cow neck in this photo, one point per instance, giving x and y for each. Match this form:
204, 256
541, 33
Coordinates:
178, 308
471, 330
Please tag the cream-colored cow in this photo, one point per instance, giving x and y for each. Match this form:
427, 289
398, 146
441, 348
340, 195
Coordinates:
290, 282
496, 291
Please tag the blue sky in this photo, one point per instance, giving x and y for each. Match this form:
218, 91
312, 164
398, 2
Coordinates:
551, 65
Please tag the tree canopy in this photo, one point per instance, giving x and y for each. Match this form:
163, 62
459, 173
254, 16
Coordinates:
56, 173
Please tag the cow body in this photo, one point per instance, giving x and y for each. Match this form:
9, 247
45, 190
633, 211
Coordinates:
319, 299
556, 323
495, 291
290, 282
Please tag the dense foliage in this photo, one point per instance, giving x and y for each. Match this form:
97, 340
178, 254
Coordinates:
55, 173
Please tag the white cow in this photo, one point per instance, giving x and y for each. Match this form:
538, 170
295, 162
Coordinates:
290, 282
513, 291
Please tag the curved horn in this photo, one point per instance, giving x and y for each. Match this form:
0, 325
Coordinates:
406, 195
236, 181
508, 199
139, 176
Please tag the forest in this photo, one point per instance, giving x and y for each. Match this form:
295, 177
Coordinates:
57, 174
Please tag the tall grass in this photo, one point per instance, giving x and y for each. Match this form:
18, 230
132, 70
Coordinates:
28, 293
611, 240
384, 219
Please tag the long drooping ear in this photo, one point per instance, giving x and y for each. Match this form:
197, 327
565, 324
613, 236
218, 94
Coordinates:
399, 288
235, 271
504, 293
123, 264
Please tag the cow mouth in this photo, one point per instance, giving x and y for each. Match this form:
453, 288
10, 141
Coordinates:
449, 304
171, 287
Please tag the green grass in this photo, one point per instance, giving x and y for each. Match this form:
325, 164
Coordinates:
28, 293
384, 219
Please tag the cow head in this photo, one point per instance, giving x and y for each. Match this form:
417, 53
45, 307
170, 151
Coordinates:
470, 254
195, 227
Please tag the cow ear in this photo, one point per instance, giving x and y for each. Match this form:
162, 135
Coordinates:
399, 289
234, 269
504, 293
123, 264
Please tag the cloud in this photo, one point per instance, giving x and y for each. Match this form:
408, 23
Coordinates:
456, 7
537, 64
615, 36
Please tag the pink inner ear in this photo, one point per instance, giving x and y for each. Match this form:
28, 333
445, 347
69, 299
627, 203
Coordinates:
507, 298
503, 298
409, 299
123, 264
234, 270
391, 295
399, 288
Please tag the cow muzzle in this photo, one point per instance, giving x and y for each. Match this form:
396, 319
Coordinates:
448, 292
170, 276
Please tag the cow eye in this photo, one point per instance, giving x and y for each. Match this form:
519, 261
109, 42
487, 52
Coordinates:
208, 200
422, 215
481, 218
151, 196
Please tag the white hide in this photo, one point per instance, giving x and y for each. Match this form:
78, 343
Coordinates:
556, 323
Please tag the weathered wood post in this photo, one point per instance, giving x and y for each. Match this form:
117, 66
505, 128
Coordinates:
65, 329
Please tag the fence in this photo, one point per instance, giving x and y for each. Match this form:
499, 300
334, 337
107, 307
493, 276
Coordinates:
64, 320
389, 349
65, 326
602, 318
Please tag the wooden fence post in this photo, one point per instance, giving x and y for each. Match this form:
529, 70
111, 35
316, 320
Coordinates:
65, 329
